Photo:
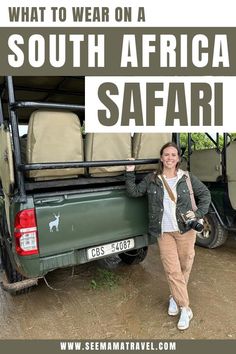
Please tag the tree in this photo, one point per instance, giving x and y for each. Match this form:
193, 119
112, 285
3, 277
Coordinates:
201, 141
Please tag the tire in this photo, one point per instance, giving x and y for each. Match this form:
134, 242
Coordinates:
13, 276
135, 256
213, 234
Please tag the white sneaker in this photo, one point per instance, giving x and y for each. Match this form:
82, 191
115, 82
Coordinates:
173, 308
185, 318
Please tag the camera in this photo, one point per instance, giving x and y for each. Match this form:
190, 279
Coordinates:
192, 223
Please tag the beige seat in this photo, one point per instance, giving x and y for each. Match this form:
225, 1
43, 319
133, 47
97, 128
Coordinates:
54, 136
231, 172
206, 164
147, 146
107, 146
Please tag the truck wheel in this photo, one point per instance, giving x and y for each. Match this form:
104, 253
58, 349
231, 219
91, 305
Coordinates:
12, 275
213, 234
134, 256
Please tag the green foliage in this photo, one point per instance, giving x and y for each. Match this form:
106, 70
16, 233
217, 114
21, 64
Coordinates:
233, 136
200, 141
105, 279
82, 129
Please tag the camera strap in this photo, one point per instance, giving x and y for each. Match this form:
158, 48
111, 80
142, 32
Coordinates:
189, 184
167, 187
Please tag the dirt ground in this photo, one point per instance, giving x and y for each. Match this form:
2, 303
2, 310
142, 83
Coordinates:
110, 300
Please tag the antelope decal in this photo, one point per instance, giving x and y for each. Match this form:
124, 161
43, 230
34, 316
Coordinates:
54, 223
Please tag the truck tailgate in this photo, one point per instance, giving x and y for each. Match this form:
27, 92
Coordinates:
74, 221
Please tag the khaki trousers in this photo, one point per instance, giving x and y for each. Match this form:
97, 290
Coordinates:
177, 255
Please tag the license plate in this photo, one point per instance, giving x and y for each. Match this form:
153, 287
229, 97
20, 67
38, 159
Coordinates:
110, 248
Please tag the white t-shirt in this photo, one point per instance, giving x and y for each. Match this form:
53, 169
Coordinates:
169, 222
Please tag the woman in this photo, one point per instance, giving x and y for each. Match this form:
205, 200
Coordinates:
169, 209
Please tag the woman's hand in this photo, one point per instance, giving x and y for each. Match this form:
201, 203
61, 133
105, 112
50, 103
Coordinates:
130, 168
190, 215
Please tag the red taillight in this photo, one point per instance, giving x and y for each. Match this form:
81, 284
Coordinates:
25, 232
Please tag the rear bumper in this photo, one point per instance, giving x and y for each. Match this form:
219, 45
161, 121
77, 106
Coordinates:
43, 265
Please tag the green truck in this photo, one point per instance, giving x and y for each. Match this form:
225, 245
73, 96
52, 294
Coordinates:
63, 199
63, 195
214, 163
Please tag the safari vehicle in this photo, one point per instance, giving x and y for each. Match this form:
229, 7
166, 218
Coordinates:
215, 165
64, 201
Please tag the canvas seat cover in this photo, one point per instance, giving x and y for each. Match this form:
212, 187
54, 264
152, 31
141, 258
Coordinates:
107, 146
147, 146
54, 136
206, 164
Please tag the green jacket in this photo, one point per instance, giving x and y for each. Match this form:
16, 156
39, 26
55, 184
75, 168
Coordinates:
153, 187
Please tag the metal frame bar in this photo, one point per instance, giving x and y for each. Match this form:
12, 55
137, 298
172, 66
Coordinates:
228, 228
177, 139
224, 166
1, 113
59, 165
15, 138
50, 91
189, 150
30, 104
22, 168
212, 140
13, 105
